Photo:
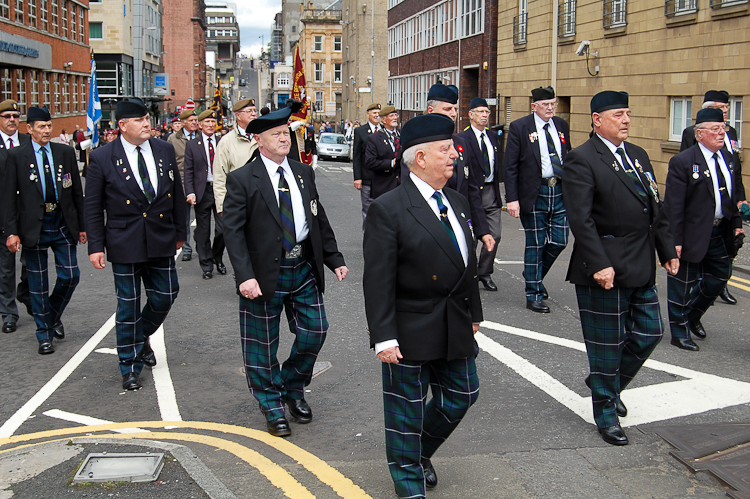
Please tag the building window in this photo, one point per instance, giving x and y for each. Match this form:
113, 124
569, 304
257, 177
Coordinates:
318, 71
410, 92
84, 102
32, 13
393, 3
508, 110
318, 47
337, 44
337, 72
678, 7
282, 80
5, 9
7, 87
95, 31
75, 94
66, 94
34, 87
319, 101
519, 24
294, 29
735, 117
46, 90
19, 11
64, 20
73, 23
566, 22
81, 19
473, 17
21, 90
54, 14
614, 13
58, 97
43, 13
714, 4
681, 117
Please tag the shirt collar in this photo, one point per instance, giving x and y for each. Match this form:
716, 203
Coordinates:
540, 122
6, 137
130, 148
611, 146
425, 189
708, 155
37, 147
273, 167
187, 134
373, 128
206, 137
477, 131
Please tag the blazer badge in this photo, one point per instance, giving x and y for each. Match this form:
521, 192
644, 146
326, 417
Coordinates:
124, 170
171, 175
32, 173
466, 172
562, 137
302, 184
314, 207
707, 174
734, 145
533, 137
696, 170
67, 181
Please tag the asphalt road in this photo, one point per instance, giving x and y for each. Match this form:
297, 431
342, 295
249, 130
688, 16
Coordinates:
530, 435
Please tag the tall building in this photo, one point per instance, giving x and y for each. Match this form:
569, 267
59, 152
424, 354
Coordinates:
291, 21
127, 45
223, 38
666, 56
365, 30
185, 47
277, 39
45, 58
452, 41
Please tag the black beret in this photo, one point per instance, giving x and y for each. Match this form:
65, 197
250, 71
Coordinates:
477, 102
426, 128
542, 94
716, 96
133, 108
442, 93
608, 99
270, 120
38, 114
709, 115
454, 88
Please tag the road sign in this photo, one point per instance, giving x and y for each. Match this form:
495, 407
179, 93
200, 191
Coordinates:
190, 105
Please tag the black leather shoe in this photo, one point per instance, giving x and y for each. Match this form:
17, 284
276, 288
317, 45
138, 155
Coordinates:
59, 330
488, 284
622, 411
208, 275
221, 268
186, 257
131, 381
430, 478
299, 410
9, 326
697, 329
724, 295
685, 344
147, 354
537, 306
614, 435
46, 347
279, 427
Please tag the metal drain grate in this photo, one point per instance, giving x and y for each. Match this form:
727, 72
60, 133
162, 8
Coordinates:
120, 468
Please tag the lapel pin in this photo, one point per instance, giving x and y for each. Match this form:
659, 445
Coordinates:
463, 216
171, 175
707, 174
124, 170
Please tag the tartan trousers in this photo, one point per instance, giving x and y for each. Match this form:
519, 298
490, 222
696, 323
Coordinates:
414, 428
133, 324
297, 293
695, 287
621, 327
546, 229
48, 308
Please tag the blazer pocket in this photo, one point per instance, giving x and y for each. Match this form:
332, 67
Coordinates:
417, 306
116, 224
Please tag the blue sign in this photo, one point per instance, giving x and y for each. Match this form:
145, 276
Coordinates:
160, 81
18, 49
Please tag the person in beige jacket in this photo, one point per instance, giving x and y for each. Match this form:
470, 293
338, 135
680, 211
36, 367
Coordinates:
234, 150
179, 141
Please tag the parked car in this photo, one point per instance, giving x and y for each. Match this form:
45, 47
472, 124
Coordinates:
333, 145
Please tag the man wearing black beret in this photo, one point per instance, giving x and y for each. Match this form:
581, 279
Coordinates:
616, 216
135, 179
422, 304
701, 202
44, 210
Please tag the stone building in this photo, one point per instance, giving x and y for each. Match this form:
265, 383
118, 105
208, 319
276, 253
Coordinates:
45, 58
281, 85
223, 38
666, 56
452, 41
185, 50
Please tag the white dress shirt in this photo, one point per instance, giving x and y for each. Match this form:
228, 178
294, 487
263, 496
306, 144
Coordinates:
40, 166
715, 178
547, 170
206, 139
6, 137
148, 156
373, 128
728, 143
613, 148
298, 209
490, 151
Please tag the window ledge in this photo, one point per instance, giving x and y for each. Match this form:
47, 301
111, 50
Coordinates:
616, 31
730, 11
670, 146
519, 47
676, 20
566, 39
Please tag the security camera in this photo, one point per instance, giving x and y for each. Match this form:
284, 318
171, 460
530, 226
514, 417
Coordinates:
583, 47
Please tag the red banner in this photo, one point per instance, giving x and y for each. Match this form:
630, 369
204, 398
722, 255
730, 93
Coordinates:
299, 93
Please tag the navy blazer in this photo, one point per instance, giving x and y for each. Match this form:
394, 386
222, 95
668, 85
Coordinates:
688, 141
690, 203
379, 158
23, 140
461, 179
134, 230
196, 166
523, 160
361, 135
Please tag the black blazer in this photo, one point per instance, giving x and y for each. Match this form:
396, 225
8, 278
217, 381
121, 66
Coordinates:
690, 204
612, 225
481, 227
252, 226
378, 159
134, 230
24, 201
196, 166
461, 179
523, 160
23, 140
361, 135
417, 289
688, 141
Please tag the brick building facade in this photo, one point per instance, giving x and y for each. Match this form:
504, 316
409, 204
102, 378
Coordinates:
185, 47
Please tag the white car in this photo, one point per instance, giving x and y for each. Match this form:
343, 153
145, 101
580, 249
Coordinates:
333, 145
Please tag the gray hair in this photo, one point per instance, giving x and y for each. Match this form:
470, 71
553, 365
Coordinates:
408, 157
433, 103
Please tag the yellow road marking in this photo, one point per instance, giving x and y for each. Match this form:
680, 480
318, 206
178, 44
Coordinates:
327, 474
734, 277
740, 286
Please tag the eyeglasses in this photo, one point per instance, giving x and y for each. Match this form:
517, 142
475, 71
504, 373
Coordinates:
10, 116
550, 105
714, 129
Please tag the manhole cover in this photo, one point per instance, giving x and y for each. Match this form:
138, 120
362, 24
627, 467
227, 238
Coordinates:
120, 468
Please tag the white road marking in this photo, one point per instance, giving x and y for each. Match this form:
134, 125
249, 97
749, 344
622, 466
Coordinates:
88, 421
508, 262
699, 392
111, 351
163, 380
347, 169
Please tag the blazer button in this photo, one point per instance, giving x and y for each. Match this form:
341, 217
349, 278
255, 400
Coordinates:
645, 210
127, 201
161, 215
278, 239
434, 278
169, 195
144, 215
275, 259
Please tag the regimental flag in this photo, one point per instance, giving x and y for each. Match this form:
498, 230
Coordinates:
216, 106
299, 93
94, 111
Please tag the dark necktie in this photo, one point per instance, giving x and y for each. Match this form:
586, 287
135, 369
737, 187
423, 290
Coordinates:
553, 157
287, 215
637, 182
396, 141
444, 218
726, 202
211, 154
10, 143
148, 187
485, 156
49, 183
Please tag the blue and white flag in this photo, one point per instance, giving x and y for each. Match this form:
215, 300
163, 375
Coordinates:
94, 113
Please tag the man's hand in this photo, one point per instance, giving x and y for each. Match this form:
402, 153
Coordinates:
179, 245
341, 272
191, 199
475, 328
678, 249
82, 237
737, 232
605, 278
97, 260
250, 289
514, 209
673, 266
13, 243
390, 355
358, 184
488, 241
740, 203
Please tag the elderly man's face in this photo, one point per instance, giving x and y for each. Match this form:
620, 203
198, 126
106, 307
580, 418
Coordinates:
545, 109
208, 126
435, 162
40, 131
479, 117
191, 124
711, 135
274, 143
390, 121
176, 126
445, 108
373, 115
9, 121
246, 115
136, 130
613, 124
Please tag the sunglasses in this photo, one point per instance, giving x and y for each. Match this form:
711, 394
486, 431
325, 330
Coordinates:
10, 116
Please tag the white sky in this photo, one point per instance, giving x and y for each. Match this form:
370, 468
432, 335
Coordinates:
255, 19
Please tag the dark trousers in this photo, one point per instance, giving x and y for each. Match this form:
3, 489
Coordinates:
186, 248
207, 253
696, 285
134, 325
48, 308
298, 293
546, 230
415, 428
8, 307
493, 209
365, 194
621, 327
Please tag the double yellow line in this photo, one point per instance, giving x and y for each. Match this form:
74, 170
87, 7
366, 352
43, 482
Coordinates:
735, 281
